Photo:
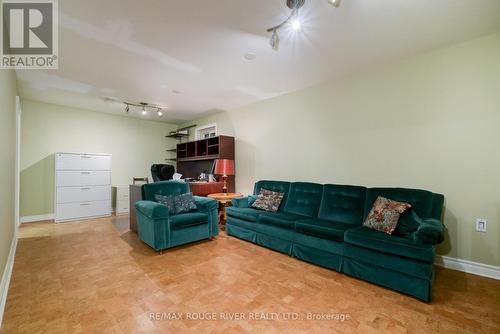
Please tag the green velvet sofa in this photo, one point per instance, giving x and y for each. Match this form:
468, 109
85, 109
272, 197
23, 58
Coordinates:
161, 230
322, 224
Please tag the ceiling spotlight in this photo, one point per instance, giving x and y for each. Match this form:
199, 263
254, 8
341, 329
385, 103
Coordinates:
160, 113
144, 112
296, 25
335, 3
127, 108
275, 40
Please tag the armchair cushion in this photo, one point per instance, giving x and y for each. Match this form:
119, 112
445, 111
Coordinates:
168, 201
184, 203
390, 244
187, 220
152, 209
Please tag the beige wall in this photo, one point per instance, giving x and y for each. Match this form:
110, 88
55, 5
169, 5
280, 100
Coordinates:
8, 92
46, 129
430, 122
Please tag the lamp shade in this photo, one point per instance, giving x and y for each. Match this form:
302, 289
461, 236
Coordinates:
224, 167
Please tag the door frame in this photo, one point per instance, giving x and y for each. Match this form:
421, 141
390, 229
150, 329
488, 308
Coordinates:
17, 220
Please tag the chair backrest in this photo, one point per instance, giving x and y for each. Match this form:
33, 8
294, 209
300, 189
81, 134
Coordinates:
165, 188
343, 204
162, 172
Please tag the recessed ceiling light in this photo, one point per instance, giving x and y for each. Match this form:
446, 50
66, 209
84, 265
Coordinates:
250, 55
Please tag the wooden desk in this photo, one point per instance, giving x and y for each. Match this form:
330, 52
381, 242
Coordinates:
205, 188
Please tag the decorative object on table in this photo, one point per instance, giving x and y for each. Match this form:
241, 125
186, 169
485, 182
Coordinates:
268, 200
140, 180
224, 200
224, 167
162, 172
384, 214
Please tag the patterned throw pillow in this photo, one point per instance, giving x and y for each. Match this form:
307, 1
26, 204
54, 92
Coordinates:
384, 214
184, 203
168, 201
268, 200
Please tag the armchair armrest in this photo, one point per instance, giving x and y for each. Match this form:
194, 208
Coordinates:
244, 202
430, 231
205, 204
152, 209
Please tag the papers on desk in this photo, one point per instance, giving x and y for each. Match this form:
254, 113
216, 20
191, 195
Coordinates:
177, 176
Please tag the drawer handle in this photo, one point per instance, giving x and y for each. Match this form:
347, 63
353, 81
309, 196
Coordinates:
85, 173
86, 157
85, 204
84, 188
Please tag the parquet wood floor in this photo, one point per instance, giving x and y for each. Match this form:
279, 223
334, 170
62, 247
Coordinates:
88, 277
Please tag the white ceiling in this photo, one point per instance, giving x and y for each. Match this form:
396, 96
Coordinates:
144, 50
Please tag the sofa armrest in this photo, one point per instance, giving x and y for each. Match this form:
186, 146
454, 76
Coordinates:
244, 202
205, 204
430, 231
152, 210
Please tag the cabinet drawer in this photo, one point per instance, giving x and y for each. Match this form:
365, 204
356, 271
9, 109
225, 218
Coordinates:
69, 211
122, 193
82, 178
122, 207
83, 194
82, 162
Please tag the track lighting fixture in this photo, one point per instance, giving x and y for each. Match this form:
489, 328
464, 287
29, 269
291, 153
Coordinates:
144, 106
294, 19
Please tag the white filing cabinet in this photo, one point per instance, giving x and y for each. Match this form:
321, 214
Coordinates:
121, 200
83, 186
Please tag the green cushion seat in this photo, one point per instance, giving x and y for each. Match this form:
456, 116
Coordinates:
390, 244
249, 214
323, 229
184, 220
280, 219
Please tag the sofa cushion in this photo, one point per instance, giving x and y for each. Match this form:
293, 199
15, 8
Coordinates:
281, 219
188, 219
390, 244
384, 214
342, 203
268, 200
244, 213
408, 223
322, 229
304, 199
277, 186
425, 203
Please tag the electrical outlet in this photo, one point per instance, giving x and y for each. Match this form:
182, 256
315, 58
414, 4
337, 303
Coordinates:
481, 225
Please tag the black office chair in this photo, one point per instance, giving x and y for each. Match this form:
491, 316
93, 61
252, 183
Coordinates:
162, 172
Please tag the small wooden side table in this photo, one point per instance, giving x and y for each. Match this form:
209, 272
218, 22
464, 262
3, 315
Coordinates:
224, 201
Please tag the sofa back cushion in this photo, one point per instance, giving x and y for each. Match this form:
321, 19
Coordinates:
425, 203
343, 204
276, 186
304, 199
164, 188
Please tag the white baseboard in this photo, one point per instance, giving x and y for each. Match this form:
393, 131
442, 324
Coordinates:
466, 266
4, 285
38, 218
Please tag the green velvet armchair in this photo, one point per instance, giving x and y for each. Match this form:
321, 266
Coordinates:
161, 230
